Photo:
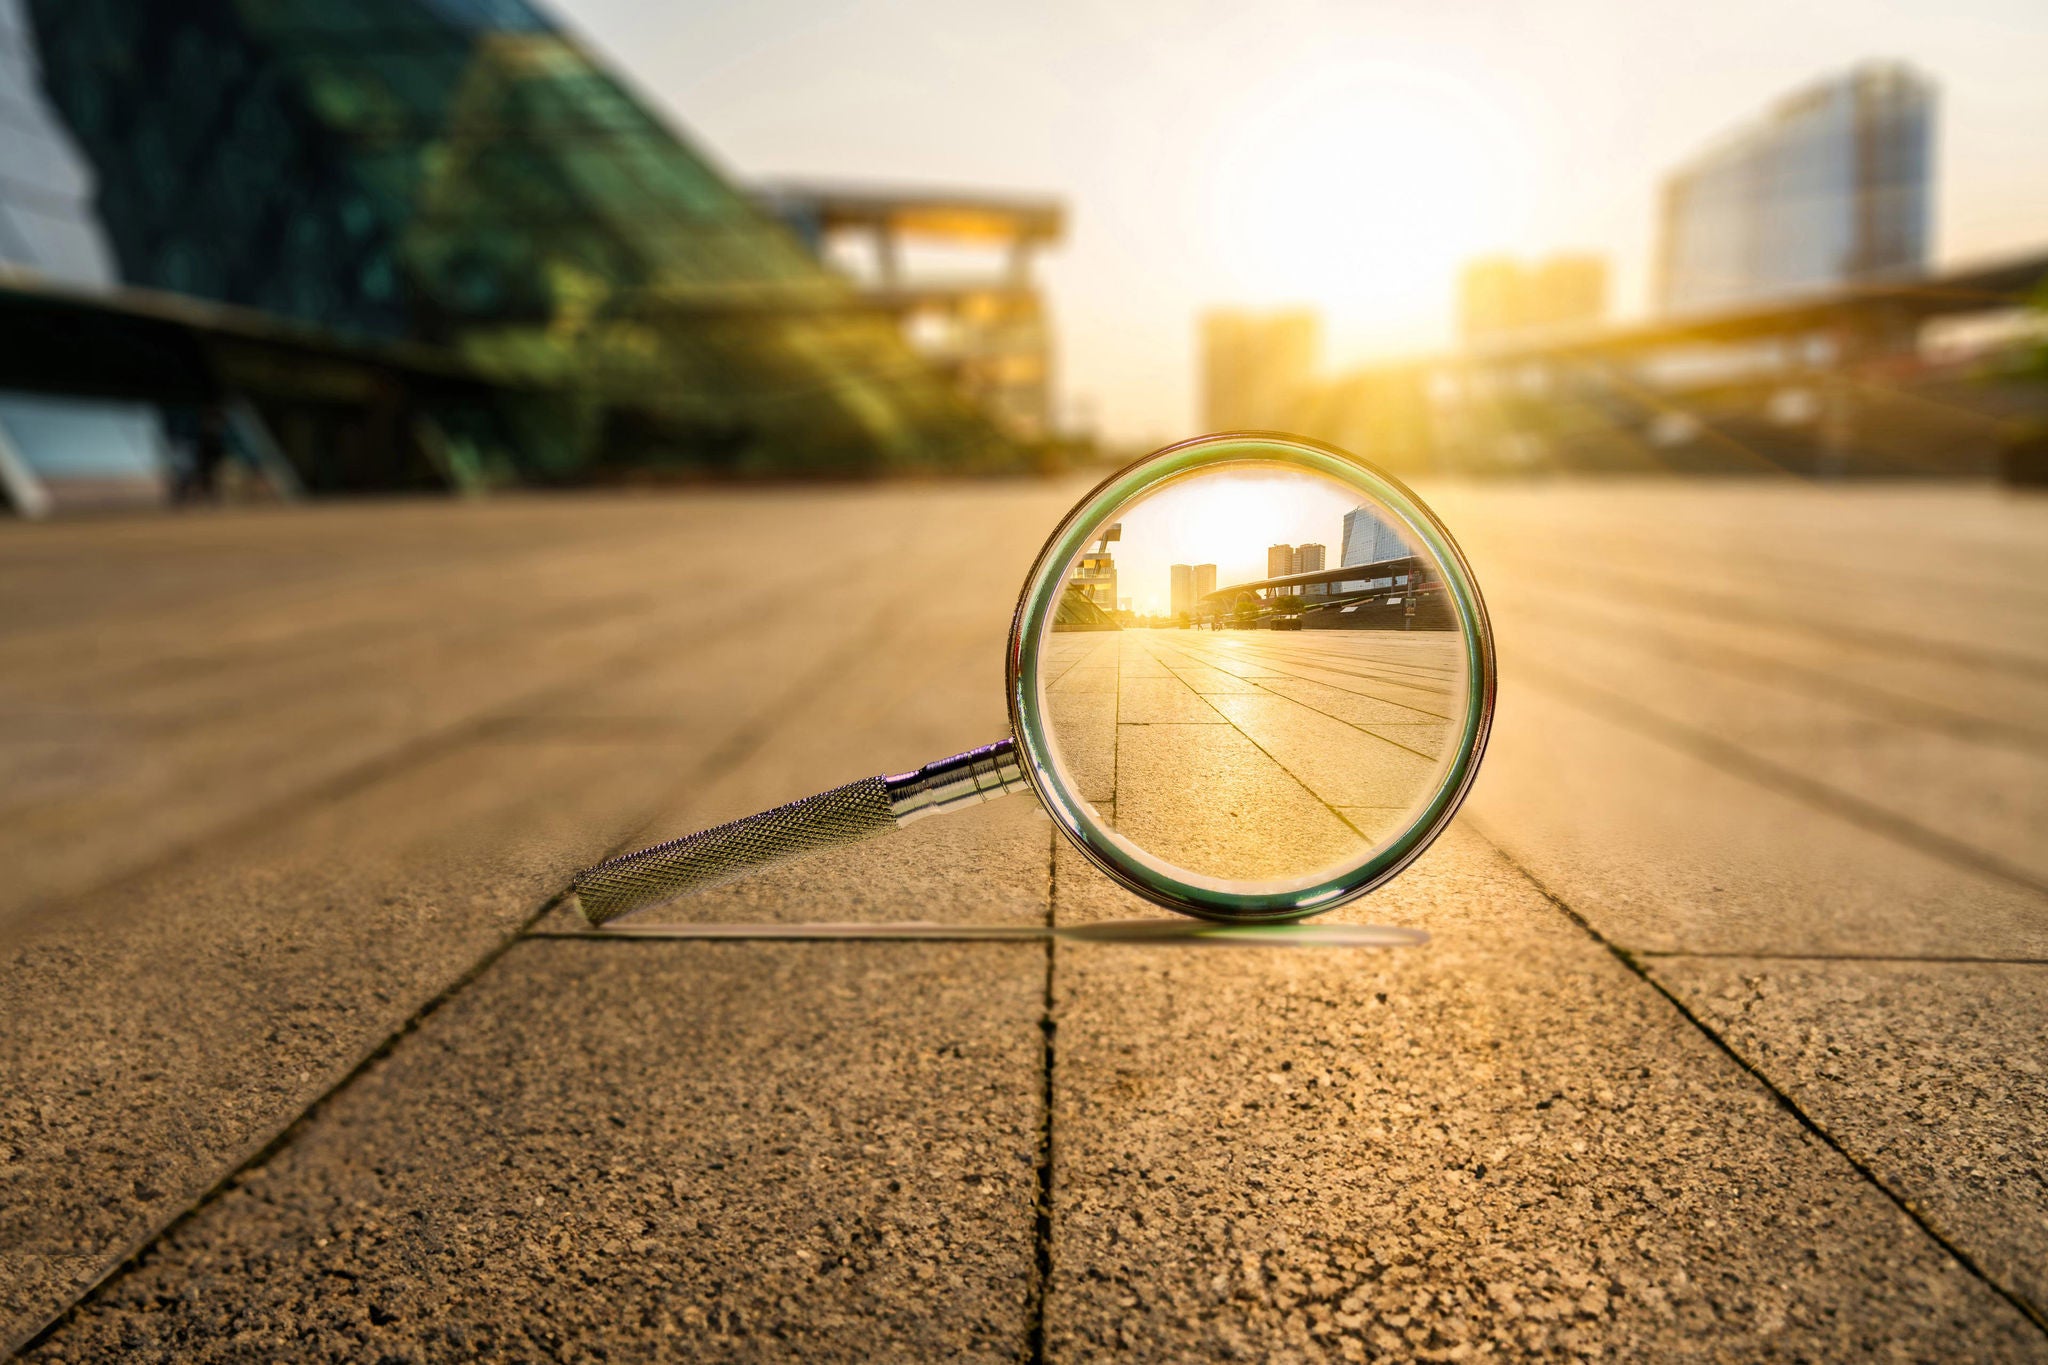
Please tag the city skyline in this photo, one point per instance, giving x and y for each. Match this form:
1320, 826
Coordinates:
1507, 130
1228, 523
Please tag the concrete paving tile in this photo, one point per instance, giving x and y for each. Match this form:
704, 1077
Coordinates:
1929, 1073
151, 1045
1083, 732
1162, 701
1203, 797
1351, 707
1086, 678
641, 1151
1664, 852
1940, 690
1378, 823
1341, 764
1975, 791
1773, 552
1204, 680
1502, 1141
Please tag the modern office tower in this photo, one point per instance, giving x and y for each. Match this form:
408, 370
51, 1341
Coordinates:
1279, 561
1368, 540
1181, 597
1308, 559
1501, 297
1257, 367
1831, 188
461, 251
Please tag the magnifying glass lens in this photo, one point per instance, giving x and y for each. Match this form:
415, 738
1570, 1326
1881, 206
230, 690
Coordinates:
1256, 681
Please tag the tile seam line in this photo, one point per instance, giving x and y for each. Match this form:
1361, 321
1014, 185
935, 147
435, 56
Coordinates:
260, 1150
1041, 1213
2026, 1309
1620, 710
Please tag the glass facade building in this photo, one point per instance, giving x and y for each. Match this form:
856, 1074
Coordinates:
459, 176
1368, 540
1832, 188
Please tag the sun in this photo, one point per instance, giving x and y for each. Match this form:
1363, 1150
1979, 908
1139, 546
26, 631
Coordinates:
1362, 188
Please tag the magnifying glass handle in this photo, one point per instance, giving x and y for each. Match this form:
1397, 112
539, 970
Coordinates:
845, 815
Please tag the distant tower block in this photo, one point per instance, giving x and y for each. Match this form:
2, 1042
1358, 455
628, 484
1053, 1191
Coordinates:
1501, 298
1191, 583
1257, 368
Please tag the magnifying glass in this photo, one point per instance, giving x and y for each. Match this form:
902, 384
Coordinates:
1250, 678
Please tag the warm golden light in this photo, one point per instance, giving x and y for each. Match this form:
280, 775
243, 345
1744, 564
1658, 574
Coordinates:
1225, 519
1361, 188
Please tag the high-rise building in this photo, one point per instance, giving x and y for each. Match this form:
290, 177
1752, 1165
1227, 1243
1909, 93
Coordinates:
1191, 583
1831, 188
1279, 561
1502, 297
1368, 539
1257, 367
492, 260
1307, 558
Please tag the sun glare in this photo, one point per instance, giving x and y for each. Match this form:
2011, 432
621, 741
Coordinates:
1226, 519
1361, 189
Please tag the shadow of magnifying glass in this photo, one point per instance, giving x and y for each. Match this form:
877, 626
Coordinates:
1193, 933
1250, 678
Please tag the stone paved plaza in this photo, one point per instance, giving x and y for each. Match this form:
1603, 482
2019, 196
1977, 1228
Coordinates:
1726, 1044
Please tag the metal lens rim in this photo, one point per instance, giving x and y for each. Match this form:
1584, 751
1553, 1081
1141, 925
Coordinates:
1041, 595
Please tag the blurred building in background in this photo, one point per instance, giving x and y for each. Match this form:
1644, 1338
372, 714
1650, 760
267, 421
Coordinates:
1801, 330
409, 243
1503, 297
986, 330
1832, 188
1257, 367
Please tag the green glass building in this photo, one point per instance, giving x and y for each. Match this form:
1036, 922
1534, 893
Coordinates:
541, 279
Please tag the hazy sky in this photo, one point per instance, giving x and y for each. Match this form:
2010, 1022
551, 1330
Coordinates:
1345, 155
1228, 519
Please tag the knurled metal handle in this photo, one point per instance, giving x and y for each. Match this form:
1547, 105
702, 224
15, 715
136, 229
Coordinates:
845, 815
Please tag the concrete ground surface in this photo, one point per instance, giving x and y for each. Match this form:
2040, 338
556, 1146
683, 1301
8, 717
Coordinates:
1726, 1044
